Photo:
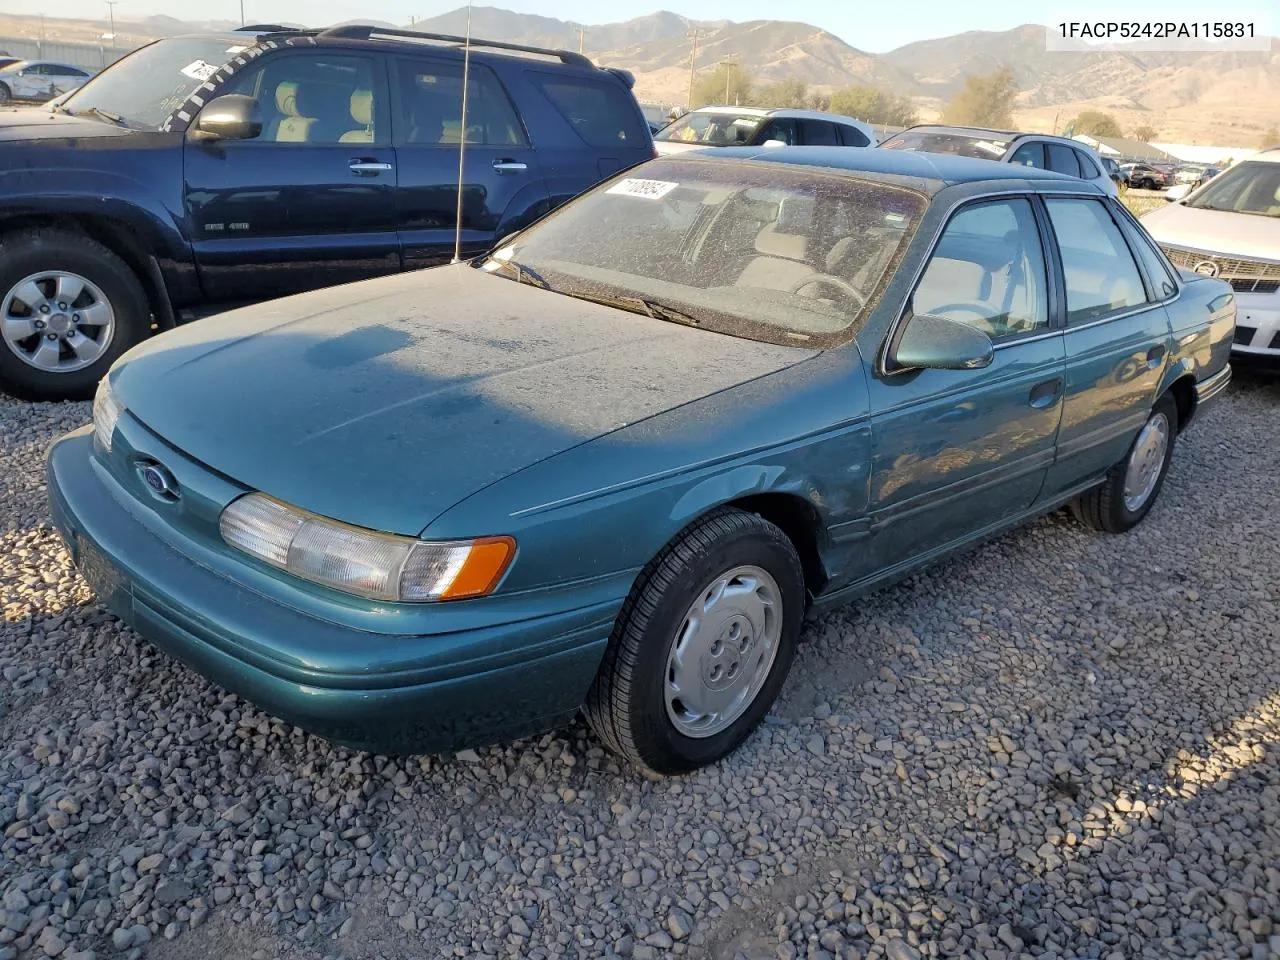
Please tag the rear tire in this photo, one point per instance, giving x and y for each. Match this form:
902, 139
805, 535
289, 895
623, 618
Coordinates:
5, 94
1127, 495
105, 279
717, 615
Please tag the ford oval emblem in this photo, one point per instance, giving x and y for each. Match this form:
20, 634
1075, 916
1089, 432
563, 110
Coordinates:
1206, 268
160, 481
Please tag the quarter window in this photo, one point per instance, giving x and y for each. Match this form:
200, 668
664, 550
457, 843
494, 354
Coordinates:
1153, 261
1100, 274
988, 271
603, 114
852, 136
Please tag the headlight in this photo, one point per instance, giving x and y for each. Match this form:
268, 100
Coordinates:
380, 566
106, 412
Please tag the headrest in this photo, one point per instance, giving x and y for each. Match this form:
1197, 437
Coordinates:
328, 100
774, 243
362, 107
794, 214
836, 255
287, 98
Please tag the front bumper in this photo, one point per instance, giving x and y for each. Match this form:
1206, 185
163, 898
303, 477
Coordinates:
410, 694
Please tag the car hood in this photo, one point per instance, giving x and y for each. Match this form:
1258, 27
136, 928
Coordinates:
1215, 231
36, 123
384, 403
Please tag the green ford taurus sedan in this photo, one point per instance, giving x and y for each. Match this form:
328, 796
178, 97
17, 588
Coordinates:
610, 466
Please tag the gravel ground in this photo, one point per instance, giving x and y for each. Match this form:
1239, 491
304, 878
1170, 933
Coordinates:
1063, 744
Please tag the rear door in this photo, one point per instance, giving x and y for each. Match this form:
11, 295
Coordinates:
1117, 340
503, 186
309, 202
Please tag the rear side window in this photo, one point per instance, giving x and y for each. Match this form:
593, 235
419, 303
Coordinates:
1100, 274
431, 105
1153, 261
852, 136
1062, 159
1029, 155
784, 130
819, 133
1088, 169
603, 114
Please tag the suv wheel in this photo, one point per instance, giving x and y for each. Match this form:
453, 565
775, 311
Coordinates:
702, 645
68, 308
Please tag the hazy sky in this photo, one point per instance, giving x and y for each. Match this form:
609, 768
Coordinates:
871, 25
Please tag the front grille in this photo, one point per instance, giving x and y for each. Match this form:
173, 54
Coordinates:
1244, 335
1245, 275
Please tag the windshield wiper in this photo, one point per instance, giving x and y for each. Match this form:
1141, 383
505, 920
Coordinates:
103, 114
650, 308
524, 274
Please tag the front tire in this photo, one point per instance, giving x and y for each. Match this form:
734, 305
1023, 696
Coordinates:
5, 93
1132, 485
68, 308
702, 646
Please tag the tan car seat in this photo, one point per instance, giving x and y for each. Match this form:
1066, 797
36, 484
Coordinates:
362, 114
781, 247
293, 128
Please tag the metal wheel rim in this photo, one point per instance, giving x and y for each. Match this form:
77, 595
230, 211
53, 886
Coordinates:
723, 651
57, 321
1146, 461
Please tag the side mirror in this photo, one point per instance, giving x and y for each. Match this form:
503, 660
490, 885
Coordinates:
936, 343
774, 143
230, 117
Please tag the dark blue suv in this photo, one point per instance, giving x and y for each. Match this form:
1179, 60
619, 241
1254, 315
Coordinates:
231, 168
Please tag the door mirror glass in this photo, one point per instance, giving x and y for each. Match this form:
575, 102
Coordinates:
936, 343
230, 117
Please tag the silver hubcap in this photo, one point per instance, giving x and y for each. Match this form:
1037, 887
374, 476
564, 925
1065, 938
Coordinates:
1145, 462
57, 321
723, 651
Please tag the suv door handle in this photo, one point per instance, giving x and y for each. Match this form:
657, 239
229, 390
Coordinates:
509, 166
1155, 355
1045, 395
369, 166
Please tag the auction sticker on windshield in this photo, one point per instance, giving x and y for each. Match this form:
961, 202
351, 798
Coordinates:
200, 70
646, 189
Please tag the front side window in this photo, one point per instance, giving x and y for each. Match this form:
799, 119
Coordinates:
750, 249
310, 99
603, 114
988, 272
1251, 187
431, 105
1100, 274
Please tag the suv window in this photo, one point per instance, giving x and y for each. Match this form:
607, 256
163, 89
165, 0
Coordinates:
819, 133
431, 105
1100, 273
315, 99
784, 130
1029, 155
852, 136
988, 271
603, 114
1062, 159
1088, 168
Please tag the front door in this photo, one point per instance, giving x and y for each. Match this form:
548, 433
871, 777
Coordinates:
958, 451
501, 177
308, 203
1117, 339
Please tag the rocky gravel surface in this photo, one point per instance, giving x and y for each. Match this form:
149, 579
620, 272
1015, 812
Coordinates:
1063, 744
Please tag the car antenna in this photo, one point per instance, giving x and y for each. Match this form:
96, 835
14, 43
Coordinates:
462, 137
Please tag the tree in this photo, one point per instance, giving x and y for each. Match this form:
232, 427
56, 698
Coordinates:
1144, 133
985, 100
873, 106
784, 93
1269, 139
724, 78
1096, 124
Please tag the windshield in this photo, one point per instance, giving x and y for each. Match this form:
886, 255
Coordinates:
1251, 187
149, 84
935, 141
747, 248
713, 129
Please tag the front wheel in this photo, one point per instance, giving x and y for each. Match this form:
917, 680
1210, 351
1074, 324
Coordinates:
5, 93
1132, 485
68, 308
702, 645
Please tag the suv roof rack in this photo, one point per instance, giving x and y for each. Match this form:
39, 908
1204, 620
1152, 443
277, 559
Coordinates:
264, 28
356, 31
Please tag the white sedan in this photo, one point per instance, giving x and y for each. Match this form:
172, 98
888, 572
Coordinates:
39, 80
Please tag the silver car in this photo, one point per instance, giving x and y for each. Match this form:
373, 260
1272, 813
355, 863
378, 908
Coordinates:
39, 80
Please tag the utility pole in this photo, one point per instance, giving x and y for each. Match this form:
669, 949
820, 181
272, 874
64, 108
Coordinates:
728, 63
111, 14
582, 39
693, 65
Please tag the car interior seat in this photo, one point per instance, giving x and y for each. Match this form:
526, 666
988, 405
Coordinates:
292, 127
361, 110
781, 248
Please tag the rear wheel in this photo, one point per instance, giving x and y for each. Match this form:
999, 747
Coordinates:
1132, 485
5, 93
702, 645
68, 308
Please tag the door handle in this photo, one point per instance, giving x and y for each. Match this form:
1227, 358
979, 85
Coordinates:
369, 166
509, 166
1155, 355
1045, 395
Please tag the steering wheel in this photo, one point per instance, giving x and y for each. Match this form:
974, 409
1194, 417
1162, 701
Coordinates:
842, 285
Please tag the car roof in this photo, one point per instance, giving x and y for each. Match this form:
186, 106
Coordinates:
1266, 156
934, 171
994, 132
785, 112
